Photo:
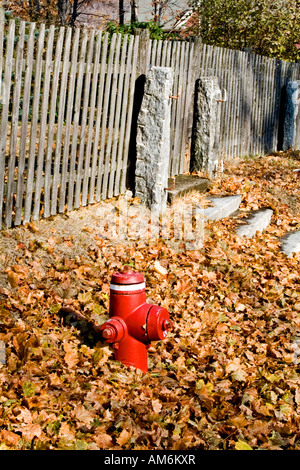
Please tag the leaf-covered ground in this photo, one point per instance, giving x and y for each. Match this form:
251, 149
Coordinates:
227, 376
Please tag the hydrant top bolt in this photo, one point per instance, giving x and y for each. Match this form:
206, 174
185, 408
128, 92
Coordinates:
167, 325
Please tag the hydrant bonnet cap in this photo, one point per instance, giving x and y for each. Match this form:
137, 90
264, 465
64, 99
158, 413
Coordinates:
128, 277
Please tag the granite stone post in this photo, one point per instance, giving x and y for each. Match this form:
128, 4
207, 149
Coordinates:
206, 131
291, 127
153, 139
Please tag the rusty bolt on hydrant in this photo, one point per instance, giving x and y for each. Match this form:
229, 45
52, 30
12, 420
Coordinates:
133, 323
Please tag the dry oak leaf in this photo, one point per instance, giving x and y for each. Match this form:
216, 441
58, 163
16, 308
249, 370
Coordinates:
124, 437
30, 431
10, 438
159, 268
156, 405
71, 356
83, 415
24, 415
103, 440
13, 278
66, 432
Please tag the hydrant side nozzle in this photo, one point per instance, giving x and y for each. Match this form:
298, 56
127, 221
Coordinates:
158, 323
113, 330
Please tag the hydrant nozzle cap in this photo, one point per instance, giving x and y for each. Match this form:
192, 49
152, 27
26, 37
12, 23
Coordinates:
158, 323
113, 330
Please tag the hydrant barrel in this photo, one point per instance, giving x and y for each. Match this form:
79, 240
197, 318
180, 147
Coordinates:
133, 323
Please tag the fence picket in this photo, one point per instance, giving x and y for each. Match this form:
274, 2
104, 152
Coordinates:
77, 108
87, 170
98, 119
84, 116
34, 126
116, 136
52, 112
104, 116
123, 116
43, 124
5, 107
24, 126
69, 112
129, 115
14, 127
60, 121
108, 160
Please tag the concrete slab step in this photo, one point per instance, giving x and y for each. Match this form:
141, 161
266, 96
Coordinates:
185, 184
257, 221
222, 207
290, 243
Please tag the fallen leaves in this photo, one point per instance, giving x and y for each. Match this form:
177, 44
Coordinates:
226, 377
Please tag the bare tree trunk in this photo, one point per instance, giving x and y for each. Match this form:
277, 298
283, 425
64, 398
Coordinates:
74, 13
121, 12
34, 9
62, 7
134, 7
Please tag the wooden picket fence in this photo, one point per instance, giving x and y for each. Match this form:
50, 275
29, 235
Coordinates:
67, 101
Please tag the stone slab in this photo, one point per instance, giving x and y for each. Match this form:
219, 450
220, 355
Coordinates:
291, 243
222, 207
186, 183
256, 222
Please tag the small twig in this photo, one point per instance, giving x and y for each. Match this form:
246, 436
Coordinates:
176, 97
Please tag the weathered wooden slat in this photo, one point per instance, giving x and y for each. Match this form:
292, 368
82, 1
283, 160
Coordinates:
153, 51
2, 19
87, 169
5, 107
52, 112
43, 124
34, 126
116, 135
178, 119
263, 103
186, 139
108, 158
129, 114
86, 101
68, 122
98, 119
77, 108
175, 66
60, 121
158, 59
14, 127
104, 116
24, 126
164, 52
224, 108
123, 116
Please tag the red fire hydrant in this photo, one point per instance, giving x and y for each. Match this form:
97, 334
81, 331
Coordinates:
133, 323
